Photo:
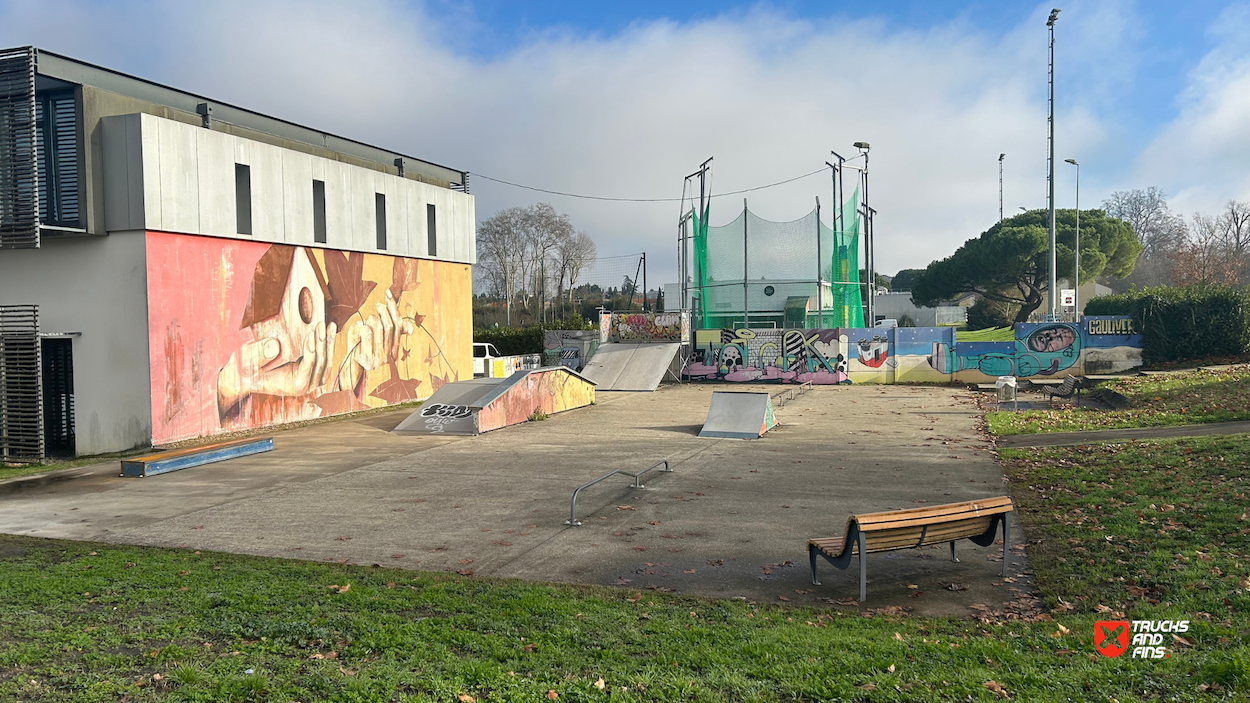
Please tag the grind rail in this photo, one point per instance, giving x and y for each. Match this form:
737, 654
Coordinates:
574, 522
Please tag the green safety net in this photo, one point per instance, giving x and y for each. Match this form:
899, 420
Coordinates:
758, 273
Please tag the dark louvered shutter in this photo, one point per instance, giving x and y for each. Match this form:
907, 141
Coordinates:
57, 150
19, 210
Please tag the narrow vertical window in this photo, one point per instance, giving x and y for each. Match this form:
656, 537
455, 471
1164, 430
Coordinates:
319, 212
243, 198
431, 229
379, 213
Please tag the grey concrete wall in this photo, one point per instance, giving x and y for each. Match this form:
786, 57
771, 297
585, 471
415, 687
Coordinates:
96, 286
98, 104
165, 175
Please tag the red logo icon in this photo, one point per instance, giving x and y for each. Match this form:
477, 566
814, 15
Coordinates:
1111, 637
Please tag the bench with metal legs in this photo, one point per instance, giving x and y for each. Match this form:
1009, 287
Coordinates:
907, 529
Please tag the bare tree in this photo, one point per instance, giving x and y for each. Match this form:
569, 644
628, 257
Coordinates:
1236, 217
501, 252
1161, 232
521, 249
1208, 257
580, 253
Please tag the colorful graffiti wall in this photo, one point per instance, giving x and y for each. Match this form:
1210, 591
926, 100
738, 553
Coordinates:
649, 327
913, 354
248, 334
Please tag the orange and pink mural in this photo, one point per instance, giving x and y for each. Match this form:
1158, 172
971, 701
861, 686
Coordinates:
248, 334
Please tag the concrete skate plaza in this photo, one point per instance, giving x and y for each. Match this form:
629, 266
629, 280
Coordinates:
732, 520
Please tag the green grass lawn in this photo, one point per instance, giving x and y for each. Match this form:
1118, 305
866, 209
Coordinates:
1151, 530
1157, 400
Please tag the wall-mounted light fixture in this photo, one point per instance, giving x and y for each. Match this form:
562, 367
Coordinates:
205, 111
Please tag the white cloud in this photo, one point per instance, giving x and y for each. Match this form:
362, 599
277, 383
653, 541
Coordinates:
1201, 157
631, 113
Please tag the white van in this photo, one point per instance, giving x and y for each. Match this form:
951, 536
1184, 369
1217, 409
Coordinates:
483, 354
886, 323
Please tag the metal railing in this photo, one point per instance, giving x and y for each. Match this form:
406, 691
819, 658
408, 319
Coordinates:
573, 521
791, 393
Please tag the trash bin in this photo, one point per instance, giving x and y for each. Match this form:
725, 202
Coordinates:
1005, 388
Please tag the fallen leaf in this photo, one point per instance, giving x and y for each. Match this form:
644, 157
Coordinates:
1182, 641
552, 695
348, 287
868, 687
890, 668
898, 637
466, 698
600, 684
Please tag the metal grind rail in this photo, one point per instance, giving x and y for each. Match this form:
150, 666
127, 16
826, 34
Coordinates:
574, 522
789, 394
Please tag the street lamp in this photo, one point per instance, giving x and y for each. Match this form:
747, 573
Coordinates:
1076, 297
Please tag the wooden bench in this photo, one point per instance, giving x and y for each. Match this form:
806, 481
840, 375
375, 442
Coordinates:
976, 520
1071, 386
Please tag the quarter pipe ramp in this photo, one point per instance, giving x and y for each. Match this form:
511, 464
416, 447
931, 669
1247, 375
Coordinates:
622, 366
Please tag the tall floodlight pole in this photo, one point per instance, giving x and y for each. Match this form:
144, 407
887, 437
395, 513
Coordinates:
1050, 166
868, 244
687, 298
839, 226
1000, 187
1076, 296
820, 275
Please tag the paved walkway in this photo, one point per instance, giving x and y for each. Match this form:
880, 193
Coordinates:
1060, 439
732, 520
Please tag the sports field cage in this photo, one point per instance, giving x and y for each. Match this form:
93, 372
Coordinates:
754, 272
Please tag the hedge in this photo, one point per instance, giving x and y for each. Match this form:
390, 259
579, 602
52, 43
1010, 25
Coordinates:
1180, 324
529, 339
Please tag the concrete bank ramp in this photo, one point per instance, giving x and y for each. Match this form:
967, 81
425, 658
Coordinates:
623, 366
738, 415
484, 404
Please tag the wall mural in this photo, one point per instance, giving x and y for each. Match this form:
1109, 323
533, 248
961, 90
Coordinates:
649, 327
912, 354
247, 334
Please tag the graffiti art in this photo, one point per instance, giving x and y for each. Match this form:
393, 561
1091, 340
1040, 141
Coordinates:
248, 334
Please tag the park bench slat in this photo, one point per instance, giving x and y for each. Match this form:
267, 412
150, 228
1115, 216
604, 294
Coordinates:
868, 533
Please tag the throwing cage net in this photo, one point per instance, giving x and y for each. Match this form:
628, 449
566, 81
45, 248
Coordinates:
754, 272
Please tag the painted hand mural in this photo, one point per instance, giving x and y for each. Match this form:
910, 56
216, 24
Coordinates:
302, 334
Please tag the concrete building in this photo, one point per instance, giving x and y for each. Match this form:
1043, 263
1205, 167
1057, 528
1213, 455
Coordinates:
197, 268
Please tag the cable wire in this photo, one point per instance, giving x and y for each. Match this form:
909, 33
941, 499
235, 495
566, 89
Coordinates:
648, 200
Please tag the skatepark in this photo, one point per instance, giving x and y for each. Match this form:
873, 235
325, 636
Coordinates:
732, 520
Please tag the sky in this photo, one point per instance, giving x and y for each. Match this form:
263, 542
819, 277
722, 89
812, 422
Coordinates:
625, 99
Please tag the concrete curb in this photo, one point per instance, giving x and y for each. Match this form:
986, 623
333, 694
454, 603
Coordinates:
1060, 439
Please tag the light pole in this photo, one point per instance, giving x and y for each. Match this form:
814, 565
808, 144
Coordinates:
868, 243
1076, 296
1050, 165
1000, 187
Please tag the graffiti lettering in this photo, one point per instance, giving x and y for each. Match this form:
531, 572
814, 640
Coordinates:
447, 411
646, 327
1117, 326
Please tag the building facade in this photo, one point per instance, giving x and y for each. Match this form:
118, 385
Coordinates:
197, 268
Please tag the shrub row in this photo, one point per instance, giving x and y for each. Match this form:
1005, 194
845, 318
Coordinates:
1179, 324
529, 339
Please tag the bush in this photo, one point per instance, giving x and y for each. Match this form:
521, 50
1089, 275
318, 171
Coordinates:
988, 314
512, 340
529, 339
1179, 324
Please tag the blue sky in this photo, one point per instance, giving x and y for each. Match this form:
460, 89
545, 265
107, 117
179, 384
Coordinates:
623, 99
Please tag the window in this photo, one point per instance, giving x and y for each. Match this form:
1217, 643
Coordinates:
56, 150
319, 212
379, 213
431, 226
243, 198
